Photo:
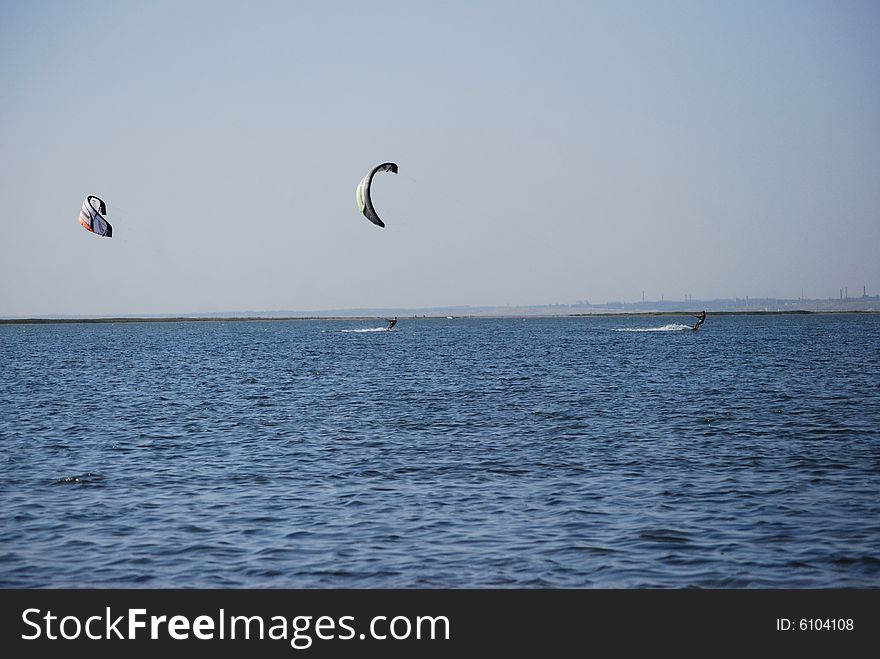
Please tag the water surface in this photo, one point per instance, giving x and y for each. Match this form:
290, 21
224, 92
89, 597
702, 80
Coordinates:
554, 452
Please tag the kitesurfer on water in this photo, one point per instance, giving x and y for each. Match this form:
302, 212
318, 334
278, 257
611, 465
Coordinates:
700, 319
392, 322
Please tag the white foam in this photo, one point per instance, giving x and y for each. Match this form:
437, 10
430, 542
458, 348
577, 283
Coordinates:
672, 327
371, 329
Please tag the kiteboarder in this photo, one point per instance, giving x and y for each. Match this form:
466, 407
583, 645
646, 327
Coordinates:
700, 319
391, 322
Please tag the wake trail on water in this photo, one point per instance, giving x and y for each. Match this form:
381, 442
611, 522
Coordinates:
672, 327
370, 329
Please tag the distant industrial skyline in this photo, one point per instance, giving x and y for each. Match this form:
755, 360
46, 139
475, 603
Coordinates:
866, 303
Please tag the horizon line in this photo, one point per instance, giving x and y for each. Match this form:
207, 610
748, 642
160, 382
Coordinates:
722, 305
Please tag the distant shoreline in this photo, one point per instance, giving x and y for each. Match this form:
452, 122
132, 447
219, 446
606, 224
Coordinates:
240, 319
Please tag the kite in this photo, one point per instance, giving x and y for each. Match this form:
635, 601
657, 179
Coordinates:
362, 194
91, 216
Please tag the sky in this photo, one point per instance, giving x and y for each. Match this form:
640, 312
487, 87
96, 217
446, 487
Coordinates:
549, 152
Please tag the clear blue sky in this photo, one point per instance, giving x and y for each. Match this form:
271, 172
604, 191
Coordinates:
549, 152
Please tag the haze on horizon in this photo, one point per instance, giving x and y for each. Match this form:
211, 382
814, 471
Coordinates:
549, 152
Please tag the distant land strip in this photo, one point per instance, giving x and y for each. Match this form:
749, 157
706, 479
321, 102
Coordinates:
171, 319
239, 319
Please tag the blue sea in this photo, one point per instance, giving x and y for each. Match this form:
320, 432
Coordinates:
582, 452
